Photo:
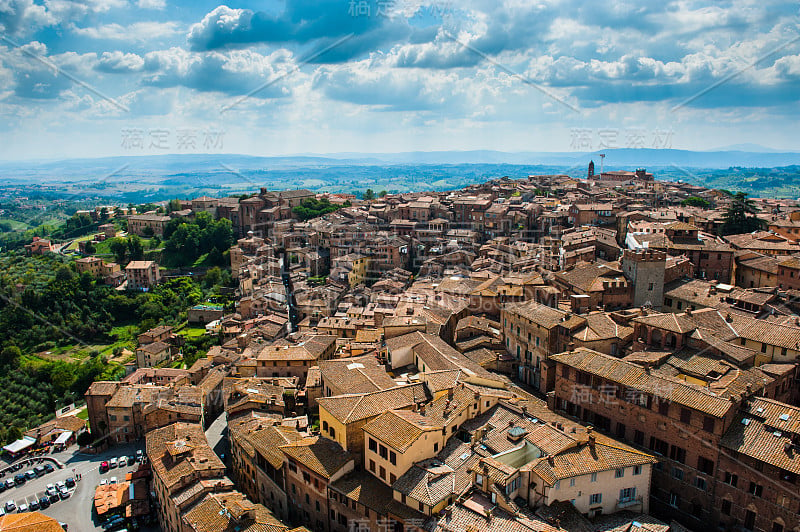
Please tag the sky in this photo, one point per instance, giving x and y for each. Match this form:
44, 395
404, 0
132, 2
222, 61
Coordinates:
91, 78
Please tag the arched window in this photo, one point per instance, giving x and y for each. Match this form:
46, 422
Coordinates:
325, 426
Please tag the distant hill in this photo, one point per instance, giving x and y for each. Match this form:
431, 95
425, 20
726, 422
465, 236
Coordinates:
153, 177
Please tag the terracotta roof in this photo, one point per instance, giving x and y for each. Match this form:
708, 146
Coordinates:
399, 429
536, 312
321, 455
356, 375
355, 407
29, 522
633, 376
764, 430
231, 511
173, 468
584, 459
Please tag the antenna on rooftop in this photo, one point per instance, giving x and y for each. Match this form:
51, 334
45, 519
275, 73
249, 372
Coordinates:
602, 158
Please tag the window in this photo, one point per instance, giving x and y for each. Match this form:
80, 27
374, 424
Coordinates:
393, 457
373, 445
705, 465
638, 437
594, 477
637, 470
421, 507
700, 482
777, 527
673, 499
731, 479
325, 426
595, 498
755, 489
436, 447
677, 473
372, 465
726, 507
619, 473
686, 415
557, 485
627, 494
749, 520
572, 483
392, 478
383, 451
479, 480
333, 432
383, 473
709, 424
678, 454
650, 286
663, 408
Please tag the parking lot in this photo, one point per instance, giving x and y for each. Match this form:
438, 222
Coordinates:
77, 510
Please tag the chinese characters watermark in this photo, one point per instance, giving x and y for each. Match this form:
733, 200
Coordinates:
181, 139
611, 138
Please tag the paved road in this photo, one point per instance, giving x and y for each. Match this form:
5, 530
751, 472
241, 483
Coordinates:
217, 436
78, 510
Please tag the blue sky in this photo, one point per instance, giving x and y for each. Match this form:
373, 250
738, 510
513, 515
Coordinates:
85, 78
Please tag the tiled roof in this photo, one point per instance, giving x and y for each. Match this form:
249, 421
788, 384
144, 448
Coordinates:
356, 375
536, 312
354, 407
321, 455
29, 522
365, 489
632, 376
198, 459
230, 511
764, 430
399, 429
584, 459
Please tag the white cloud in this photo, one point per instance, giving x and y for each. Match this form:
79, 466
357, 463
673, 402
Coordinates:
140, 32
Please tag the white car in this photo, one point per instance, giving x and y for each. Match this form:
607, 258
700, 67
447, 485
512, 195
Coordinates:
51, 490
112, 463
10, 506
113, 480
103, 481
61, 485
22, 508
122, 461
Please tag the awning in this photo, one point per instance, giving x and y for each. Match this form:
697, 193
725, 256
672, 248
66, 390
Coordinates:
63, 437
20, 445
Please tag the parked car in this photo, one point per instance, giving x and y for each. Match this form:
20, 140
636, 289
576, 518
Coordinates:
61, 484
111, 523
10, 506
22, 508
33, 505
39, 470
131, 460
19, 479
139, 455
112, 463
48, 468
3, 487
2, 511
64, 493
54, 498
50, 490
70, 482
30, 474
113, 480
10, 484
103, 467
44, 503
103, 481
122, 461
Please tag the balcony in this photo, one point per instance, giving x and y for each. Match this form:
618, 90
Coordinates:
627, 503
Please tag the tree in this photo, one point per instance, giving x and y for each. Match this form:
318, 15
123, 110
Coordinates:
119, 247
694, 201
14, 433
148, 231
736, 220
9, 356
90, 248
64, 273
84, 439
369, 194
135, 247
382, 194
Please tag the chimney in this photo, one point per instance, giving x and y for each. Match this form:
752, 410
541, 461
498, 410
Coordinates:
591, 441
551, 461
